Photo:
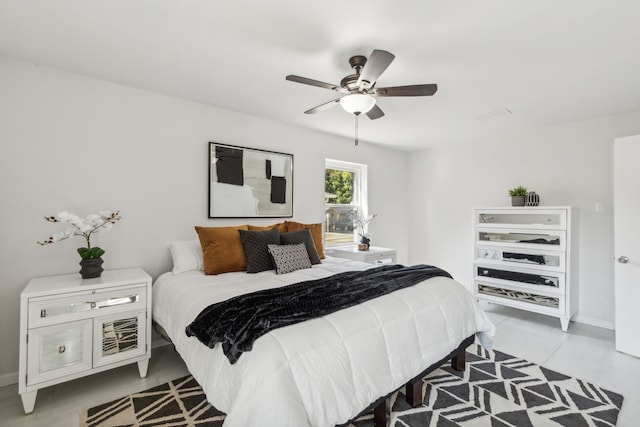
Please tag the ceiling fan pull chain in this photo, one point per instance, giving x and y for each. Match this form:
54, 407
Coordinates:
356, 128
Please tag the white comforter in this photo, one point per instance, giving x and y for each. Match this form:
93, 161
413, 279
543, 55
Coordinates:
324, 371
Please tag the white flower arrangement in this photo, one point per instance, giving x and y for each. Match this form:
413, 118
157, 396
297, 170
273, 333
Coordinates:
361, 222
83, 227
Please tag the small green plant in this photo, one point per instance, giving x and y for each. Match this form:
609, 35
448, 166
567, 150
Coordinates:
518, 191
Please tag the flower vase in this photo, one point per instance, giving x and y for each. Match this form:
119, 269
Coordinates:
91, 268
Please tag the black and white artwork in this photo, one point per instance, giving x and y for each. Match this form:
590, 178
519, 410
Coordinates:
247, 182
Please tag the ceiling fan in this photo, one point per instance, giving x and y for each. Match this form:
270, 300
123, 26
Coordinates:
359, 91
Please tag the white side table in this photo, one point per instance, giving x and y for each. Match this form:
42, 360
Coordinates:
375, 254
70, 328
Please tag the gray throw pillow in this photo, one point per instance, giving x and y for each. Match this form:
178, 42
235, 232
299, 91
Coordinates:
256, 250
302, 236
288, 258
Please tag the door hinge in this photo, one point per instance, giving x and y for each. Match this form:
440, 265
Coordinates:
27, 338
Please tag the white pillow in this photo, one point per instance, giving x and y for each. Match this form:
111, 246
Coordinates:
186, 255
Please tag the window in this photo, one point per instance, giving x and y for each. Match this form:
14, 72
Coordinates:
345, 196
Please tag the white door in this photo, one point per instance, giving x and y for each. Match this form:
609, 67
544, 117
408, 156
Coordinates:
626, 197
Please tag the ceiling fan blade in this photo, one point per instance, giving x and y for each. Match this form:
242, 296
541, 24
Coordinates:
317, 83
411, 90
377, 62
323, 107
375, 113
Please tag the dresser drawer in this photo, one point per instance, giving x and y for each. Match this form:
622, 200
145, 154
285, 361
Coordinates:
78, 305
541, 281
532, 258
523, 238
532, 219
550, 304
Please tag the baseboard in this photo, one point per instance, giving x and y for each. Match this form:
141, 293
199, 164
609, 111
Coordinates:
595, 322
8, 379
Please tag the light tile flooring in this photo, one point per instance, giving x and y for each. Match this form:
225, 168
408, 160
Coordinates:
584, 351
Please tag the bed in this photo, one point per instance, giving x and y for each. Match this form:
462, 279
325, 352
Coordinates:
324, 371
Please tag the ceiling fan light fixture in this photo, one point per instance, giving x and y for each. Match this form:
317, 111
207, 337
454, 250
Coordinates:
357, 103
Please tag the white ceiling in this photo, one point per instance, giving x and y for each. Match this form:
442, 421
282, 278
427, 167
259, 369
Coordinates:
548, 61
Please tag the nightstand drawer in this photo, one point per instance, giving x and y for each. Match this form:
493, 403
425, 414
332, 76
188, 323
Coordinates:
79, 305
379, 257
63, 349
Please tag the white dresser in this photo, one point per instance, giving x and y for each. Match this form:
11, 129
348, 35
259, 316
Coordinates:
70, 327
524, 258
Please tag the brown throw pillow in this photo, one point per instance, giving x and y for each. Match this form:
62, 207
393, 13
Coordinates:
316, 233
222, 249
281, 226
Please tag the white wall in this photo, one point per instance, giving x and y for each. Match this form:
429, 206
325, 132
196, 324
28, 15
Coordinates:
566, 165
73, 143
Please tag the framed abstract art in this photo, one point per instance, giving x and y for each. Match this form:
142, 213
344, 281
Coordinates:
249, 183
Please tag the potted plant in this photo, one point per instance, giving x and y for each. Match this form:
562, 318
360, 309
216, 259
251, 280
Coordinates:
517, 195
361, 222
91, 261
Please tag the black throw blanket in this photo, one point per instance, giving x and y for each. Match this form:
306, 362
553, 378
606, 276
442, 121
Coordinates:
239, 321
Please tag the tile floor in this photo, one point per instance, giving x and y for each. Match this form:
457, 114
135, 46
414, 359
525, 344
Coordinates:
584, 351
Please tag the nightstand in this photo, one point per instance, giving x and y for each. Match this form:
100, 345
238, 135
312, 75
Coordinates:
375, 255
70, 327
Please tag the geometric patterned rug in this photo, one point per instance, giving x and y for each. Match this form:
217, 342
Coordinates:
495, 389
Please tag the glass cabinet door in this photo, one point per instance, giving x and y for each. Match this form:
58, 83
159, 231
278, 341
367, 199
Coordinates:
59, 350
119, 337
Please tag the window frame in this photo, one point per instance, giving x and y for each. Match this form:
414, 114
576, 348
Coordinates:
360, 197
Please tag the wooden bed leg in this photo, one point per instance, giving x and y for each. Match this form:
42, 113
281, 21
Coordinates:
413, 393
458, 361
381, 414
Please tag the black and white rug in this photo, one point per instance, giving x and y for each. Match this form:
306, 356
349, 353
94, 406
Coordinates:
495, 389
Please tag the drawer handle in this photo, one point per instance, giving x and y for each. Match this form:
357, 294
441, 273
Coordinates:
93, 304
43, 313
61, 349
